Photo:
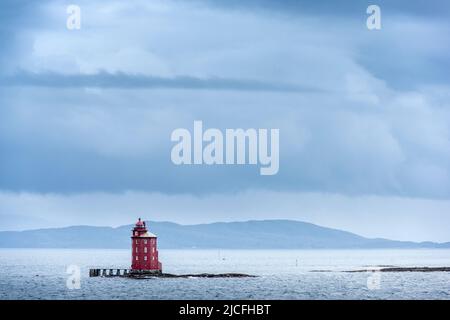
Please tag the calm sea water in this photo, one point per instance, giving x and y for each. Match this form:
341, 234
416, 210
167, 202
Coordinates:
282, 274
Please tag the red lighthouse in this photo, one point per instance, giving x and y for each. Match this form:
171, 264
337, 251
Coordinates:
144, 249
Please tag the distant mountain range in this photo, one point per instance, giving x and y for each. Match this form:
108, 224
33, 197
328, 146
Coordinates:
265, 234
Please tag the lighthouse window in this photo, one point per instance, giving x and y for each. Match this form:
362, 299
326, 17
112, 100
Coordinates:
145, 258
137, 258
145, 249
145, 241
153, 249
136, 250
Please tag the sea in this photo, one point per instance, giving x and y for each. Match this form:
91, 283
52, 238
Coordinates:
280, 274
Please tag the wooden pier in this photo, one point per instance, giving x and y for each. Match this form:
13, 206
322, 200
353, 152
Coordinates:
144, 274
103, 272
108, 272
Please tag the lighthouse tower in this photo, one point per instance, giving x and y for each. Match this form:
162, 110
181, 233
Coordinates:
144, 249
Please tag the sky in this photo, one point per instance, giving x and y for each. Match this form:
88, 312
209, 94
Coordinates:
86, 115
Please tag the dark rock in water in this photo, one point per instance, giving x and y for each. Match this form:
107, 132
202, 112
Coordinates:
198, 275
406, 269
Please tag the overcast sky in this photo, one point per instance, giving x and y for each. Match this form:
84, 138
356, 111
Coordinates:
86, 115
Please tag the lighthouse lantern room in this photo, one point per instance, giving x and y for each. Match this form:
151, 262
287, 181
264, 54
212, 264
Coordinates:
144, 249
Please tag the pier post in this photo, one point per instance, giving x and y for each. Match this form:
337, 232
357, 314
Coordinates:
94, 272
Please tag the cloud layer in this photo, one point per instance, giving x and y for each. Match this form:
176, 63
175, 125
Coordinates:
361, 113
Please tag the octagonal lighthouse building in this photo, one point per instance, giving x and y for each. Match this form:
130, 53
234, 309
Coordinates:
144, 253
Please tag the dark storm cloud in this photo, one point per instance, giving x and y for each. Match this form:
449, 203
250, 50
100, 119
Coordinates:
354, 137
119, 140
384, 54
17, 16
122, 80
338, 9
